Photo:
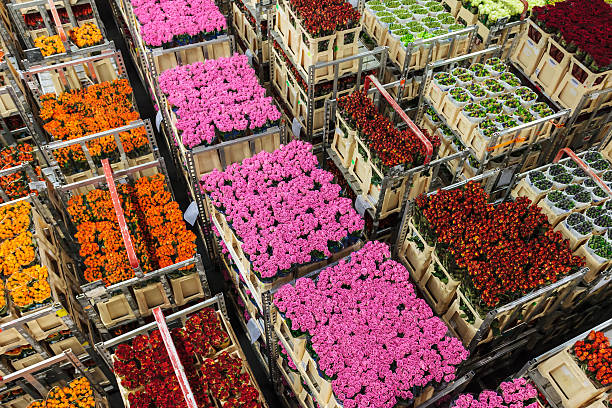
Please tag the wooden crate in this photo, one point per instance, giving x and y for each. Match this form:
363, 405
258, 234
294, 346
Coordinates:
438, 293
115, 311
466, 128
450, 111
191, 55
286, 24
71, 343
530, 48
467, 16
572, 87
187, 288
571, 383
347, 45
550, 71
416, 259
399, 54
436, 95
458, 321
247, 33
554, 216
453, 6
343, 146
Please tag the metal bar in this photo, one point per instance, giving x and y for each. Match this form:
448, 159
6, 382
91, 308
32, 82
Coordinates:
583, 166
179, 370
59, 144
100, 179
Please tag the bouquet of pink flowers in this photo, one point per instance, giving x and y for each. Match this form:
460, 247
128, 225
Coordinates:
284, 209
368, 331
217, 98
517, 393
178, 22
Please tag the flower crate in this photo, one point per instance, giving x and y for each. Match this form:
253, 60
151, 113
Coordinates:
344, 146
574, 240
247, 34
525, 189
347, 45
203, 143
437, 96
467, 16
115, 311
531, 47
450, 111
462, 320
552, 67
277, 270
453, 5
570, 382
70, 343
467, 129
416, 254
285, 24
437, 286
400, 52
316, 364
577, 82
594, 264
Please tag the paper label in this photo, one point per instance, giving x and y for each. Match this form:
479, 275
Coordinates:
361, 205
62, 313
191, 213
552, 62
254, 332
296, 127
36, 185
249, 55
158, 119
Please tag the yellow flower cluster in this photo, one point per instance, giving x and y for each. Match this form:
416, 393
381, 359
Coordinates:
86, 36
49, 45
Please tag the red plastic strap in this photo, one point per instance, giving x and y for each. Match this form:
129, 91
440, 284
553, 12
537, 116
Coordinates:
525, 8
428, 147
57, 21
179, 371
583, 166
125, 233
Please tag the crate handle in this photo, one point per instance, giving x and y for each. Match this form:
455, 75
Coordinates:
525, 8
428, 147
125, 234
517, 140
583, 166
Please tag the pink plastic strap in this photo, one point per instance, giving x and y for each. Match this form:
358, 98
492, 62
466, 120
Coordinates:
57, 21
428, 146
125, 233
179, 371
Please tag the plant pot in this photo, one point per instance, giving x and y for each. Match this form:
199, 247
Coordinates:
591, 252
578, 236
444, 88
527, 103
457, 103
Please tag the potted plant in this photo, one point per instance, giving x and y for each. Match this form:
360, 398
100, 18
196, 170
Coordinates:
593, 212
511, 104
564, 205
506, 121
574, 219
555, 170
459, 97
579, 175
592, 157
599, 248
444, 80
480, 72
541, 110
599, 166
526, 95
602, 223
574, 189
432, 116
599, 194
492, 107
474, 112
581, 230
582, 198
509, 81
493, 87
607, 176
476, 92
554, 197
543, 185
534, 176
562, 180
446, 20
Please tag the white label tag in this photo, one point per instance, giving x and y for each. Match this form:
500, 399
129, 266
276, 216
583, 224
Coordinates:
296, 127
249, 55
191, 213
254, 332
361, 205
575, 82
158, 119
530, 42
36, 185
552, 62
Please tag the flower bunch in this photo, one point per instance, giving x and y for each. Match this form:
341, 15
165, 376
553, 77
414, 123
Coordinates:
164, 22
87, 35
77, 394
155, 224
283, 208
27, 283
82, 112
145, 370
488, 241
16, 185
368, 330
582, 27
517, 393
49, 45
390, 146
595, 355
321, 18
217, 98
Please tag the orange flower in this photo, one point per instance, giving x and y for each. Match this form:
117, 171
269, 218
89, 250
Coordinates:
95, 109
78, 394
86, 36
49, 45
